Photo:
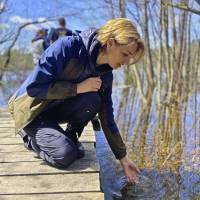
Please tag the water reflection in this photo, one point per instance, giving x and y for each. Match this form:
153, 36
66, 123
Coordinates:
167, 185
164, 142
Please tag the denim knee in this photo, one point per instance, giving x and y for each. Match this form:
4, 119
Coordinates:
65, 154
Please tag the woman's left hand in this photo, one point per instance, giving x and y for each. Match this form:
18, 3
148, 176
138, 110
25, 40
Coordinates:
130, 169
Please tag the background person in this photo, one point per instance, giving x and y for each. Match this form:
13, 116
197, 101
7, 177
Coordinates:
61, 31
39, 44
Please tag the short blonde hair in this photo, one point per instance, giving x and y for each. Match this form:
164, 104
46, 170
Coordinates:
123, 31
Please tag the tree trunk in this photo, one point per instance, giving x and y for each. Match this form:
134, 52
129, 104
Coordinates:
122, 8
147, 42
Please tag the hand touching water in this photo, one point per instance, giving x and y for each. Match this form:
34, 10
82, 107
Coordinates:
130, 170
89, 85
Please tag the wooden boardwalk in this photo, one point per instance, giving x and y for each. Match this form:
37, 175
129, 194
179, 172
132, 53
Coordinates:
24, 176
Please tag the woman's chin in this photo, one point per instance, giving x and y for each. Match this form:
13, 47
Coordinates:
115, 66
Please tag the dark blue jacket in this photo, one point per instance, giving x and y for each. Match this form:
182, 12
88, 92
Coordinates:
69, 61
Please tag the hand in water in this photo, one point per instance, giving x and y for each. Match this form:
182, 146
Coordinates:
130, 170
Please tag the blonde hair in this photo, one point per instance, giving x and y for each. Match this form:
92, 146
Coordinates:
123, 32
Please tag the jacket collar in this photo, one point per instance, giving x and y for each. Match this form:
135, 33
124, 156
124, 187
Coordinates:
92, 46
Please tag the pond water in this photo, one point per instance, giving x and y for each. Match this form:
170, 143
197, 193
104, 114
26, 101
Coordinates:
164, 142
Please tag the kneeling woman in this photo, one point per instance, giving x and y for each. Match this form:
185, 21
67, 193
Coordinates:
71, 83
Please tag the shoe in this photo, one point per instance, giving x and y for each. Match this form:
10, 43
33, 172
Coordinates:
80, 150
96, 124
26, 140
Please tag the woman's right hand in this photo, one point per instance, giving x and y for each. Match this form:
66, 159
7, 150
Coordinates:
130, 169
89, 85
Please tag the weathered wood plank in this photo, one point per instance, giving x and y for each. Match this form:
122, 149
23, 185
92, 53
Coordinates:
25, 162
32, 157
12, 131
3, 108
6, 148
5, 115
49, 183
86, 164
12, 148
22, 156
9, 123
18, 140
22, 176
61, 196
18, 157
9, 127
20, 147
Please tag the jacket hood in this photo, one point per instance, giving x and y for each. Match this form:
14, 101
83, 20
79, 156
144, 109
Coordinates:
91, 43
92, 46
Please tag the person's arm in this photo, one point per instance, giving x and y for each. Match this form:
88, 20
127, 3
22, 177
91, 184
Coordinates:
114, 138
44, 82
108, 124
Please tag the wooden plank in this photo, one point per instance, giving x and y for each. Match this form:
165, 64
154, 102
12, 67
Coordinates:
3, 108
5, 125
61, 196
30, 156
18, 140
19, 157
86, 164
12, 148
6, 131
20, 147
23, 176
49, 183
8, 121
5, 114
11, 128
6, 135
25, 162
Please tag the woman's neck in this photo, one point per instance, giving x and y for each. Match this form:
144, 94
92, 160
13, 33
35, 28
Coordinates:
102, 58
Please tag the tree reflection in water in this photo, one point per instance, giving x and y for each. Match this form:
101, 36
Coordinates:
164, 142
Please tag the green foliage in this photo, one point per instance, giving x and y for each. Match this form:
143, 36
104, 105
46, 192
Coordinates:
20, 60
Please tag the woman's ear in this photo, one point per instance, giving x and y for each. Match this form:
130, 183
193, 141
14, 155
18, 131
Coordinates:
110, 42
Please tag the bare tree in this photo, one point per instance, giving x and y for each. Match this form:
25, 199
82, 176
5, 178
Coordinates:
184, 7
122, 8
9, 49
149, 69
5, 35
111, 7
160, 63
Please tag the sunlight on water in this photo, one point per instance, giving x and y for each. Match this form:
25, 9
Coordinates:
165, 148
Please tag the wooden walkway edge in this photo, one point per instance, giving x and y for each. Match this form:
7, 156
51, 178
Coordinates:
24, 176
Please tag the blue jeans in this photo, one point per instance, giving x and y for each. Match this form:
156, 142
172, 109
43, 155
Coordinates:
49, 140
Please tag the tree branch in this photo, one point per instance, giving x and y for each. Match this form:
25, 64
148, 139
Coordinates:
20, 28
184, 7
